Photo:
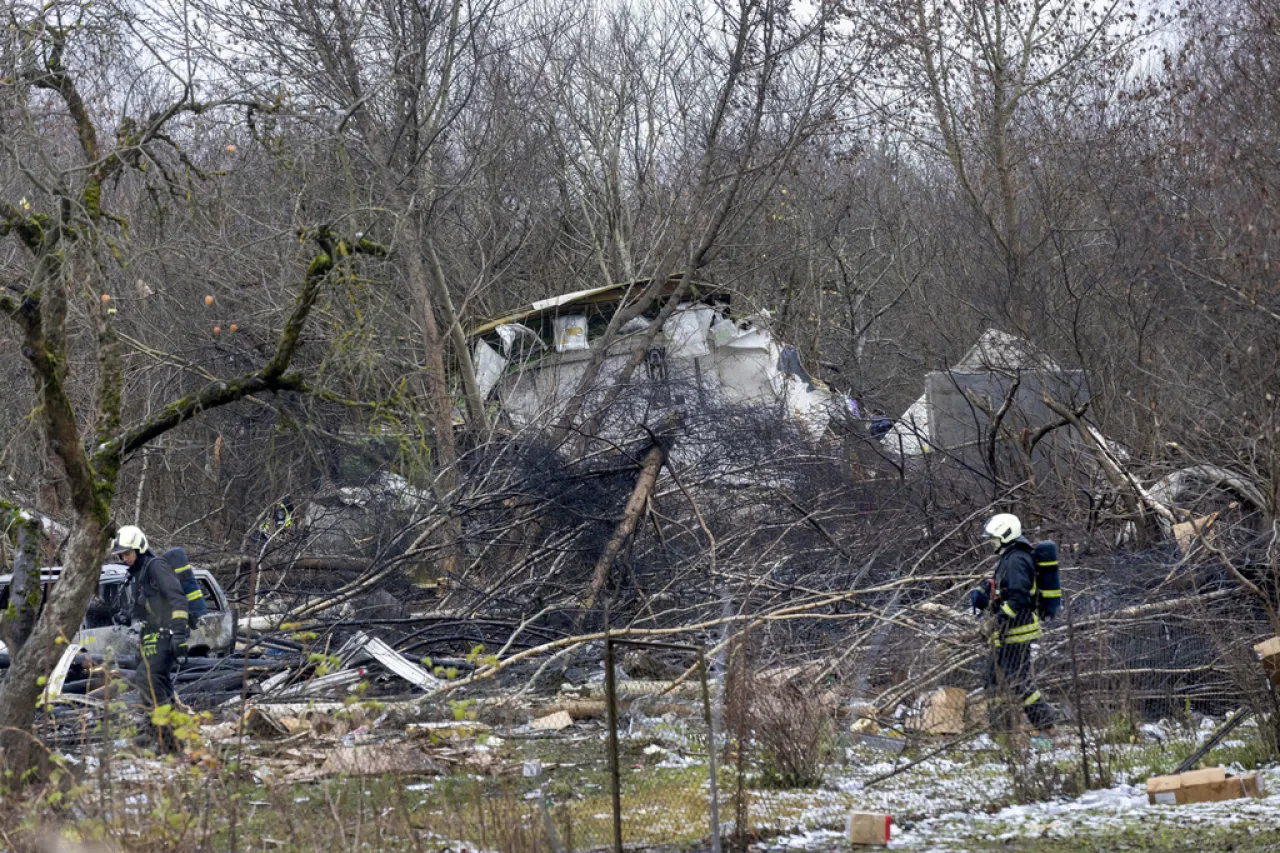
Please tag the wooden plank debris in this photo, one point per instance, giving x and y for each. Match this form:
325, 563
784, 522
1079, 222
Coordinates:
552, 722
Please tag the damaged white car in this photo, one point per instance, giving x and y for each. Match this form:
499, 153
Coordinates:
214, 634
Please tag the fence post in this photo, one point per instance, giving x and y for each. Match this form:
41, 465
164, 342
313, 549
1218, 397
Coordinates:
611, 704
1075, 690
711, 752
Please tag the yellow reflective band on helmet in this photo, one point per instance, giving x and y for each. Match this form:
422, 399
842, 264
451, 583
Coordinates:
1032, 699
185, 568
1047, 562
179, 614
194, 594
1051, 593
1007, 610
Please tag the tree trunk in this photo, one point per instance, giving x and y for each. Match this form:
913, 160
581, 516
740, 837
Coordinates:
441, 409
59, 622
24, 590
477, 419
630, 518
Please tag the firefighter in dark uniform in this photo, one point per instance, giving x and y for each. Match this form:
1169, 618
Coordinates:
160, 604
1010, 596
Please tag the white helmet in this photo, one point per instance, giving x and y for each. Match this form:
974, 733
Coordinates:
1003, 529
129, 538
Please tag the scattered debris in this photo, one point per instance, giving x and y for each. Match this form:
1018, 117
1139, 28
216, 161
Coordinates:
1210, 785
450, 729
1187, 532
404, 759
869, 828
262, 724
943, 712
1269, 652
890, 742
362, 647
530, 360
581, 709
53, 687
552, 722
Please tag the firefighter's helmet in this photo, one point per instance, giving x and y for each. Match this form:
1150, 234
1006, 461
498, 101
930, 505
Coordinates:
129, 538
1003, 529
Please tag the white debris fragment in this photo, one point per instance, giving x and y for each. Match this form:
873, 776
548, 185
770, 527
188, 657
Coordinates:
1152, 732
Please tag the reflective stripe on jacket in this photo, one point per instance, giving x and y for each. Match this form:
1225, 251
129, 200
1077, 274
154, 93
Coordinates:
1015, 581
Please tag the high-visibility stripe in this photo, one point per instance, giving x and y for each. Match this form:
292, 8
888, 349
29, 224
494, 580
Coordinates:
179, 614
194, 595
185, 568
1051, 593
1032, 699
1007, 610
1047, 563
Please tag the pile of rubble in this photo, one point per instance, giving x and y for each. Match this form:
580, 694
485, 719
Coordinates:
259, 671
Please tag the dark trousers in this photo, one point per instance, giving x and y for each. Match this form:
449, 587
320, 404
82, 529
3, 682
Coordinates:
153, 678
1009, 678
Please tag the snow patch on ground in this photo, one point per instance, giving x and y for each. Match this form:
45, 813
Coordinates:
1073, 817
942, 805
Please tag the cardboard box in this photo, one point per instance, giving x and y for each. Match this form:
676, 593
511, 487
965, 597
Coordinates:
1162, 790
1210, 785
943, 712
871, 828
976, 715
1231, 788
1186, 533
1269, 652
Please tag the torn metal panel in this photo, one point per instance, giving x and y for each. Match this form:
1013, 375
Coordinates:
325, 683
489, 365
956, 421
53, 687
607, 297
945, 417
361, 647
687, 330
1199, 480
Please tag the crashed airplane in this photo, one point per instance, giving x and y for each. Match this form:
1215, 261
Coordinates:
532, 361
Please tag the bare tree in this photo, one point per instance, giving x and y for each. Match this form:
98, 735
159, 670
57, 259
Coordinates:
60, 291
672, 128
967, 82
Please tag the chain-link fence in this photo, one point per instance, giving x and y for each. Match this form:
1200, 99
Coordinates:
674, 799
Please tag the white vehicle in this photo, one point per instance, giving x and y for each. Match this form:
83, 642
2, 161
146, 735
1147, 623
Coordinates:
213, 636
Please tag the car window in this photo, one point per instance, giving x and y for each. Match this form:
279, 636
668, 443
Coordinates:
104, 604
210, 597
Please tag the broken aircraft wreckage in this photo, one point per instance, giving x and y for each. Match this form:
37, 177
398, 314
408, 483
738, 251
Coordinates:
532, 361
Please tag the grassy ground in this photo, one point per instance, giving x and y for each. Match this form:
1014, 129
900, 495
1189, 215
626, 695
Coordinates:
217, 806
